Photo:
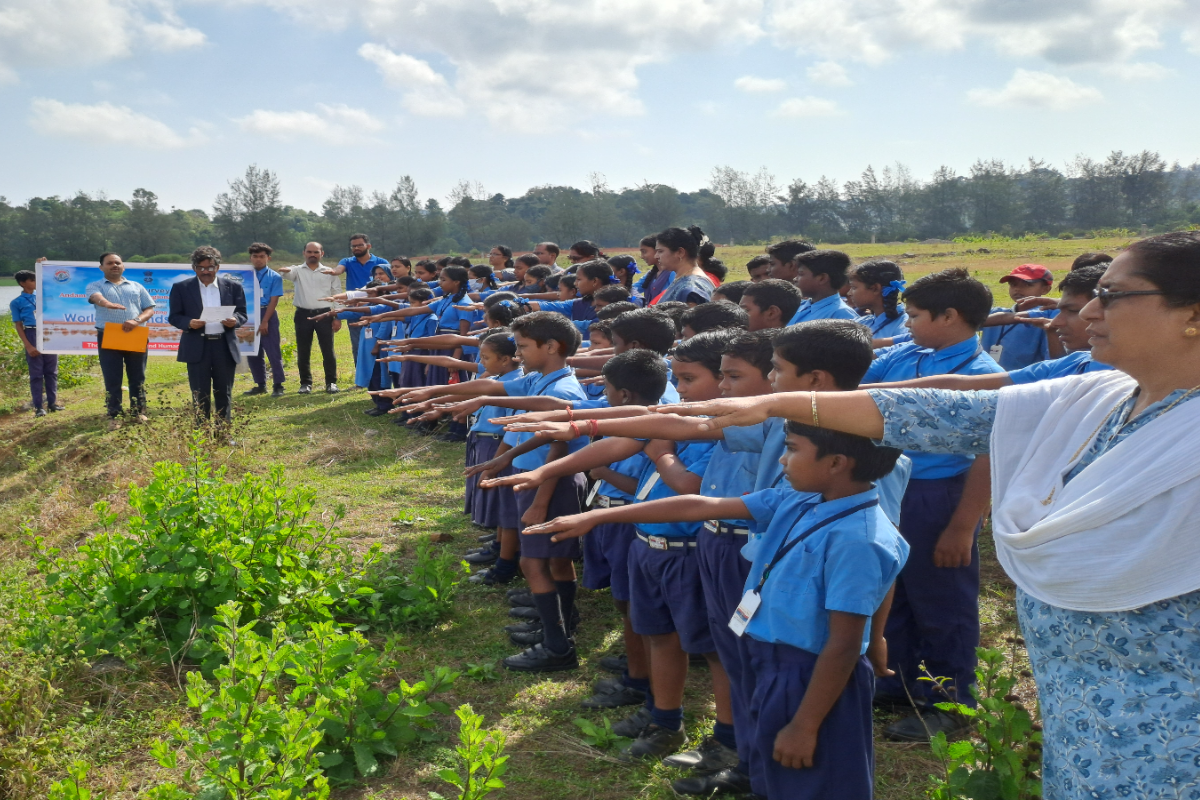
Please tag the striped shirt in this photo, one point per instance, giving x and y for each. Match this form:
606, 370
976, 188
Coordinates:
132, 295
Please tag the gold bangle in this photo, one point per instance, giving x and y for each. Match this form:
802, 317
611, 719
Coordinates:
812, 398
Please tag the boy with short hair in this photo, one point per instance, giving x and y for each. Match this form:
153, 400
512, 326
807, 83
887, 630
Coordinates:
1016, 345
820, 276
935, 616
781, 258
758, 268
270, 289
769, 304
713, 316
731, 291
43, 367
812, 613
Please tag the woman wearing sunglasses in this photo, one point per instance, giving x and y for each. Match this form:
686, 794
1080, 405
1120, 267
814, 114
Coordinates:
1096, 518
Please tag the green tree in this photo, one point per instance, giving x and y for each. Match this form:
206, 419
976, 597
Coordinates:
250, 211
1044, 198
993, 196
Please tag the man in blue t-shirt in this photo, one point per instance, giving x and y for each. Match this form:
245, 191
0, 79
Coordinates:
357, 269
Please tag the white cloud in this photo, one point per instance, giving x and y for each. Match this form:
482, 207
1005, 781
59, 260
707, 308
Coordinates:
753, 85
426, 91
807, 107
1032, 89
829, 73
82, 32
1138, 71
1063, 32
105, 123
335, 125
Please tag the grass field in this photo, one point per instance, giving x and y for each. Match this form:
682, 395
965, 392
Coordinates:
398, 488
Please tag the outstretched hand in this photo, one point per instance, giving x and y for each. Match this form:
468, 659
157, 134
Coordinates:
570, 527
725, 413
555, 431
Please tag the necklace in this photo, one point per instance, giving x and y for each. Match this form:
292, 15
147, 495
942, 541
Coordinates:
1117, 432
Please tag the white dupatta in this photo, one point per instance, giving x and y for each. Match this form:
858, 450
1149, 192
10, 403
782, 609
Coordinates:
1125, 532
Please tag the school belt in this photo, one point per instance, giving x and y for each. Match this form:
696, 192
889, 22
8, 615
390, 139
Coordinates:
665, 543
719, 528
608, 502
479, 435
212, 337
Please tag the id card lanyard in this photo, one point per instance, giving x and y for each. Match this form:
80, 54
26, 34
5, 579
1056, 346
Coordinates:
753, 598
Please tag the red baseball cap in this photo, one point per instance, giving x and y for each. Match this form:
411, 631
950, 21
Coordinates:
1029, 272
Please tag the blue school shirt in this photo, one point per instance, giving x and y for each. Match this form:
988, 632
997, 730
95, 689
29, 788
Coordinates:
730, 473
904, 362
884, 328
695, 456
23, 308
581, 311
560, 383
365, 364
1020, 344
832, 307
848, 565
481, 424
631, 467
358, 275
767, 440
270, 284
1076, 363
449, 316
421, 325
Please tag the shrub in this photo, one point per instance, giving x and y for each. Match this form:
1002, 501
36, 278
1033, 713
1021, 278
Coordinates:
14, 372
481, 754
196, 541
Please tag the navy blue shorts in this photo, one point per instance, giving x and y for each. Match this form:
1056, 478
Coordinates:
723, 573
606, 558
505, 501
666, 595
844, 761
567, 499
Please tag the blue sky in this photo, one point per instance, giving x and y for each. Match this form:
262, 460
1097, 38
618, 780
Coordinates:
179, 97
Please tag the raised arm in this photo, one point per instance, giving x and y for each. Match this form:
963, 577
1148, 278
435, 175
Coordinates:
649, 426
959, 383
849, 412
689, 508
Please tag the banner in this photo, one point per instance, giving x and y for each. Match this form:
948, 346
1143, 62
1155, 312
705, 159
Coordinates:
66, 321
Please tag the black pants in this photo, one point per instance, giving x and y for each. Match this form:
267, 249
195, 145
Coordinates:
305, 328
213, 373
115, 365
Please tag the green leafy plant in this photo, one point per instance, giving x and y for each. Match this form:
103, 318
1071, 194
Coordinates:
74, 787
196, 540
599, 735
1004, 762
483, 671
284, 711
287, 353
482, 755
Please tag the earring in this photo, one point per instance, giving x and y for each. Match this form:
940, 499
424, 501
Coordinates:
1189, 332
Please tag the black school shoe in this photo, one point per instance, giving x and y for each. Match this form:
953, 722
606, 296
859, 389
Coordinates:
525, 612
632, 726
486, 538
924, 724
655, 742
375, 411
709, 758
520, 598
484, 555
615, 697
615, 664
489, 578
257, 390
539, 659
727, 781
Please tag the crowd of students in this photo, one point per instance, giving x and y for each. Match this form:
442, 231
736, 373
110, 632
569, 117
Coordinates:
818, 574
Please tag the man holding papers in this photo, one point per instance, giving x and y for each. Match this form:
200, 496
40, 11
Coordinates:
208, 309
121, 306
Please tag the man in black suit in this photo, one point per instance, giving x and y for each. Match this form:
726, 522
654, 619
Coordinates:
209, 349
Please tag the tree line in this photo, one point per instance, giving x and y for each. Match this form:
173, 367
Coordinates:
1119, 192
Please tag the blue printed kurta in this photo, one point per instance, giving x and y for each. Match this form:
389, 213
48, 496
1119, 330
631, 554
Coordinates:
1119, 691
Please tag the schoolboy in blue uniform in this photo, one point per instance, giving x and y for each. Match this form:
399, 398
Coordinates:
935, 616
820, 274
667, 598
43, 368
770, 303
270, 289
1018, 345
813, 612
544, 340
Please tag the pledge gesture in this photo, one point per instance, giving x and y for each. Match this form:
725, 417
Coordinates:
570, 527
725, 413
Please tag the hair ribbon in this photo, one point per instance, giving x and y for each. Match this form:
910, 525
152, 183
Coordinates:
894, 287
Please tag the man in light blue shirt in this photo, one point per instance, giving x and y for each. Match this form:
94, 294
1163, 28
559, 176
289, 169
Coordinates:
819, 276
128, 304
358, 269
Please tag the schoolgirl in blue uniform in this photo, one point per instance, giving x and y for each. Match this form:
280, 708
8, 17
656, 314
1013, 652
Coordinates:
935, 617
625, 269
454, 283
412, 373
875, 289
589, 278
497, 359
813, 605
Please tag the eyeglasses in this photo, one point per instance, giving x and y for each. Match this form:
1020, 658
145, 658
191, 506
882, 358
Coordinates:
1107, 296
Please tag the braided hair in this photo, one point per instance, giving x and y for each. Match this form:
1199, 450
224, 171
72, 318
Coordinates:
888, 276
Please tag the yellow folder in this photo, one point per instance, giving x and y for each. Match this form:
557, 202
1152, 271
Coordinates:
117, 338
